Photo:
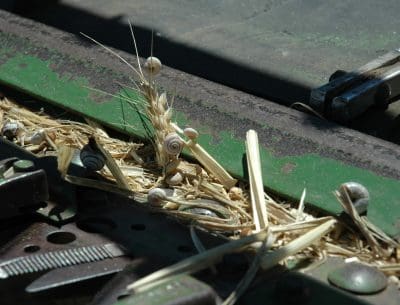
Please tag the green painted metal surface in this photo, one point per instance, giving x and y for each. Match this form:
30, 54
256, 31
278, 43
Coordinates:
288, 176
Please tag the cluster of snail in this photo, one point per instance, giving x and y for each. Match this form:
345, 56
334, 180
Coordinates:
16, 130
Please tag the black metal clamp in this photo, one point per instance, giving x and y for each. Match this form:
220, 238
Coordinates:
22, 187
349, 94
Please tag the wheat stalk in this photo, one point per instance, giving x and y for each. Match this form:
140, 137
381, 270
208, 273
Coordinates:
157, 109
159, 114
258, 206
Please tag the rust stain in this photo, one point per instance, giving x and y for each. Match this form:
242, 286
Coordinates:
288, 167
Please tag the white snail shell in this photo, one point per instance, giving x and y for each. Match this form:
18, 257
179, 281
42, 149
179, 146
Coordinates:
191, 133
37, 137
153, 65
11, 129
156, 196
173, 144
174, 179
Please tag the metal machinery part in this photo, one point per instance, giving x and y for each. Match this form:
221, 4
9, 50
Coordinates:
13, 179
179, 290
348, 95
295, 152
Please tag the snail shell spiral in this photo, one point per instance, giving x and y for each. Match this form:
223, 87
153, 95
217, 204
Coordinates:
173, 144
92, 159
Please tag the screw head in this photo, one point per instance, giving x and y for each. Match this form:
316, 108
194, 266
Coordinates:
358, 278
22, 166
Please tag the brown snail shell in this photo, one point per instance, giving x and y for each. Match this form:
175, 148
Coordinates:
172, 166
173, 144
235, 193
153, 65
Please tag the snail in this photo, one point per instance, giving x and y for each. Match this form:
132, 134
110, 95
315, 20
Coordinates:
175, 179
92, 159
156, 196
173, 144
12, 129
171, 167
191, 133
359, 195
153, 65
37, 137
235, 193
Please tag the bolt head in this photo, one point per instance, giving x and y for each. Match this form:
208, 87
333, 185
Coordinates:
358, 278
22, 166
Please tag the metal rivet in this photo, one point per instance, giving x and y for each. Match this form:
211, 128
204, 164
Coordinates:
358, 278
22, 166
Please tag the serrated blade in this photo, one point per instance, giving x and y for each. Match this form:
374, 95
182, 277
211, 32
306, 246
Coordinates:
72, 274
57, 259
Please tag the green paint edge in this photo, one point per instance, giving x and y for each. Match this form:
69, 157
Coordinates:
284, 175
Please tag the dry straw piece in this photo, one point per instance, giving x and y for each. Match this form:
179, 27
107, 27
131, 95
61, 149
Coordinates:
344, 199
113, 167
205, 159
293, 247
197, 262
250, 274
258, 206
64, 157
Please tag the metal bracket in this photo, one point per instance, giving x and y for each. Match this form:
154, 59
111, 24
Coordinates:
348, 95
23, 188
